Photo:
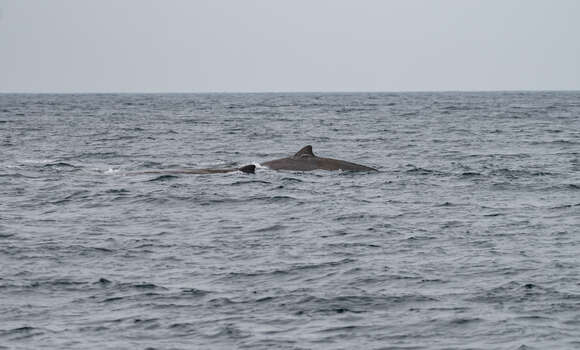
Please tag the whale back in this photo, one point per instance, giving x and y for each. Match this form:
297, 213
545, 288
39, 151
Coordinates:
306, 160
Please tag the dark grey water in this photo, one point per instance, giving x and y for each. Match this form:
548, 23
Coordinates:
468, 237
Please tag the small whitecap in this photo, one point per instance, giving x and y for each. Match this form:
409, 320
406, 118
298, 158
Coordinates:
38, 161
112, 171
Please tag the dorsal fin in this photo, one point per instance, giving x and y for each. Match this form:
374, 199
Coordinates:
306, 151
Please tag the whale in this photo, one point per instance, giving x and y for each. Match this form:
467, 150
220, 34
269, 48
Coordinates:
247, 169
303, 160
306, 160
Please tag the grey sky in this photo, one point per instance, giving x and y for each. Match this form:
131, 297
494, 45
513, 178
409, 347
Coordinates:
293, 45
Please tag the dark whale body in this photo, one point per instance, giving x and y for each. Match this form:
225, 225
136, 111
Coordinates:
305, 160
248, 169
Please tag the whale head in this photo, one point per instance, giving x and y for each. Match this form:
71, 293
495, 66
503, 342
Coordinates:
248, 169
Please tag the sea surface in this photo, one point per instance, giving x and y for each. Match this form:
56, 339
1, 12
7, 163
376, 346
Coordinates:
467, 238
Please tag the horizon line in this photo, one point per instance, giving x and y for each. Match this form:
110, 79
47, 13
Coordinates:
232, 92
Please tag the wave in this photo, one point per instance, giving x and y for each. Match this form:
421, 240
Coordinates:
247, 182
60, 165
565, 206
19, 175
423, 171
163, 178
23, 333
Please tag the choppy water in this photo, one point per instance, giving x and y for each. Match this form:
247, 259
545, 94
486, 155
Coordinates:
468, 237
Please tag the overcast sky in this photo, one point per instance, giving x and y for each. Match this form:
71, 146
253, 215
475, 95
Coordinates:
292, 45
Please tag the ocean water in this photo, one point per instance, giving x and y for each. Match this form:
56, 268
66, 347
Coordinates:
467, 238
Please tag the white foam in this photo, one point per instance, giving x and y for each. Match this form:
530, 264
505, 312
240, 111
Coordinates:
38, 161
112, 171
260, 166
